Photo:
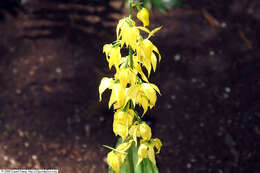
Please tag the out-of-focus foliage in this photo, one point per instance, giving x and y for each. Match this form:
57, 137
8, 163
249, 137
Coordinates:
163, 5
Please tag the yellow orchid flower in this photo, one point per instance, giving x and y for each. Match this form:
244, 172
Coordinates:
146, 56
113, 160
140, 130
143, 94
117, 156
145, 131
122, 121
143, 15
128, 33
126, 76
117, 97
146, 150
142, 153
113, 55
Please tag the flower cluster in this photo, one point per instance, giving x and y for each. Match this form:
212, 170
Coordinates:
130, 88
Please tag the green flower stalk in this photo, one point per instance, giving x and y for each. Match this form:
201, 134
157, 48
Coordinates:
130, 88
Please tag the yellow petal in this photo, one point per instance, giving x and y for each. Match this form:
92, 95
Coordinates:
112, 99
119, 26
106, 49
123, 77
155, 88
140, 71
158, 144
142, 153
157, 51
115, 57
121, 130
149, 93
143, 29
151, 155
130, 117
124, 118
113, 161
124, 146
134, 132
147, 65
145, 131
145, 104
153, 32
154, 61
148, 48
143, 15
132, 93
104, 84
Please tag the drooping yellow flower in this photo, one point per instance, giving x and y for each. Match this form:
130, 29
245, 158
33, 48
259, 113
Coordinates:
126, 76
143, 94
127, 33
142, 153
146, 150
145, 131
140, 130
150, 92
122, 121
143, 15
117, 97
113, 161
146, 56
116, 157
113, 55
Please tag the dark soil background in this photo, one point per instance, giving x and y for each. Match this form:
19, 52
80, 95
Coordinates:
51, 63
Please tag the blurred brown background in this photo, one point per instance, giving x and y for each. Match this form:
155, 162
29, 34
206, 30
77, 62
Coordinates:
51, 63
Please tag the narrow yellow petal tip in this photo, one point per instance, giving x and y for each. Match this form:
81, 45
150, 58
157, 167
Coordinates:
143, 15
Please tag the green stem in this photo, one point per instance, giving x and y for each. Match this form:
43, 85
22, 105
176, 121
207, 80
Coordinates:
131, 57
130, 8
111, 148
130, 49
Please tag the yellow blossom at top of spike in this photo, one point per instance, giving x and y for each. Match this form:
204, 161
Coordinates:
143, 15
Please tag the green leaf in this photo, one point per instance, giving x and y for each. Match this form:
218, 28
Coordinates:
110, 170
